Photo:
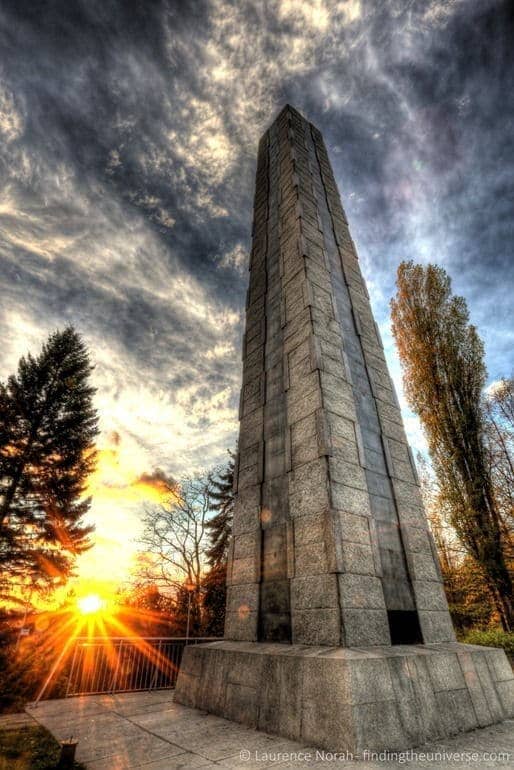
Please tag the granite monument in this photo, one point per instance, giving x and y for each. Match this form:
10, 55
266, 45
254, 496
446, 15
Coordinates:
337, 627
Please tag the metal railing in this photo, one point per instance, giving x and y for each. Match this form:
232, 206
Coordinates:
125, 664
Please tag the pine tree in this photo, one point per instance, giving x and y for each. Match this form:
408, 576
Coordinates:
220, 532
220, 525
47, 430
444, 374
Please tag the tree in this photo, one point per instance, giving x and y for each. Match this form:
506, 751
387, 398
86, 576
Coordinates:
499, 410
220, 525
444, 374
48, 425
220, 531
173, 543
463, 578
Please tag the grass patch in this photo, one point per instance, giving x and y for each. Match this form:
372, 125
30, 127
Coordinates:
492, 637
30, 748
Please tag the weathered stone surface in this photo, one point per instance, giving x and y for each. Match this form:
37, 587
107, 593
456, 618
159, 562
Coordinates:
345, 699
365, 627
317, 627
361, 591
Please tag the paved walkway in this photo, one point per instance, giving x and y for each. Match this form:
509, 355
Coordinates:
14, 721
148, 730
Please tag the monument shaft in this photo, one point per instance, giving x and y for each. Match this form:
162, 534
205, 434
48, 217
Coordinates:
337, 628
331, 544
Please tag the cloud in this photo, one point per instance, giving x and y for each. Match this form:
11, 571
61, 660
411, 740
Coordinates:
127, 162
11, 120
236, 258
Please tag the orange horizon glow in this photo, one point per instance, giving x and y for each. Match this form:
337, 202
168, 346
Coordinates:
89, 617
118, 475
91, 603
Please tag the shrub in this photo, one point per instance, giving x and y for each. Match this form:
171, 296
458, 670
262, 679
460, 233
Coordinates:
492, 637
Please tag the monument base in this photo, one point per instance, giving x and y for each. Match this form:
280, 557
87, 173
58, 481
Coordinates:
350, 699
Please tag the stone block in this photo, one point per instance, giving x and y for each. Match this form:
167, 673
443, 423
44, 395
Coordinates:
302, 386
349, 499
245, 570
308, 529
422, 566
410, 714
417, 539
409, 493
274, 501
379, 725
308, 487
456, 711
354, 528
314, 592
280, 698
436, 626
250, 456
368, 675
304, 444
403, 471
335, 367
360, 591
429, 595
243, 598
424, 696
298, 408
498, 663
365, 628
310, 559
339, 401
241, 626
300, 378
505, 691
411, 513
299, 354
317, 627
327, 724
250, 429
247, 545
340, 426
350, 474
445, 672
476, 690
488, 685
247, 506
242, 704
358, 558
392, 429
186, 690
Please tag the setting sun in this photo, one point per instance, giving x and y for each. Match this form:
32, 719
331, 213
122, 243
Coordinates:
90, 604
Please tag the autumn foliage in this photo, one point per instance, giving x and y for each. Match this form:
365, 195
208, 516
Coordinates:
444, 377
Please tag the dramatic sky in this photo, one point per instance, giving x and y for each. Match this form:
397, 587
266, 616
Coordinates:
128, 137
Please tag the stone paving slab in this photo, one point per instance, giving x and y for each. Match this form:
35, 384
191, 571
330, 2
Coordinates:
14, 721
150, 731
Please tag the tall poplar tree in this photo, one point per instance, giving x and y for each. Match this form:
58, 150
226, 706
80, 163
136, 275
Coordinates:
48, 426
444, 375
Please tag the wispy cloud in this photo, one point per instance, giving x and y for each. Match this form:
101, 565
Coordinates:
127, 152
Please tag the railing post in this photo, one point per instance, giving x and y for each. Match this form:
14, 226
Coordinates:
72, 669
156, 667
115, 675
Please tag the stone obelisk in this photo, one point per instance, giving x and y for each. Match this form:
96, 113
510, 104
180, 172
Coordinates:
337, 627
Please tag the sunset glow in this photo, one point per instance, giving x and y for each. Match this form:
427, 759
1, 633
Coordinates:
92, 603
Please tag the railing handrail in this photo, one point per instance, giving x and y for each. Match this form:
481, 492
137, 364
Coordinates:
145, 672
149, 638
